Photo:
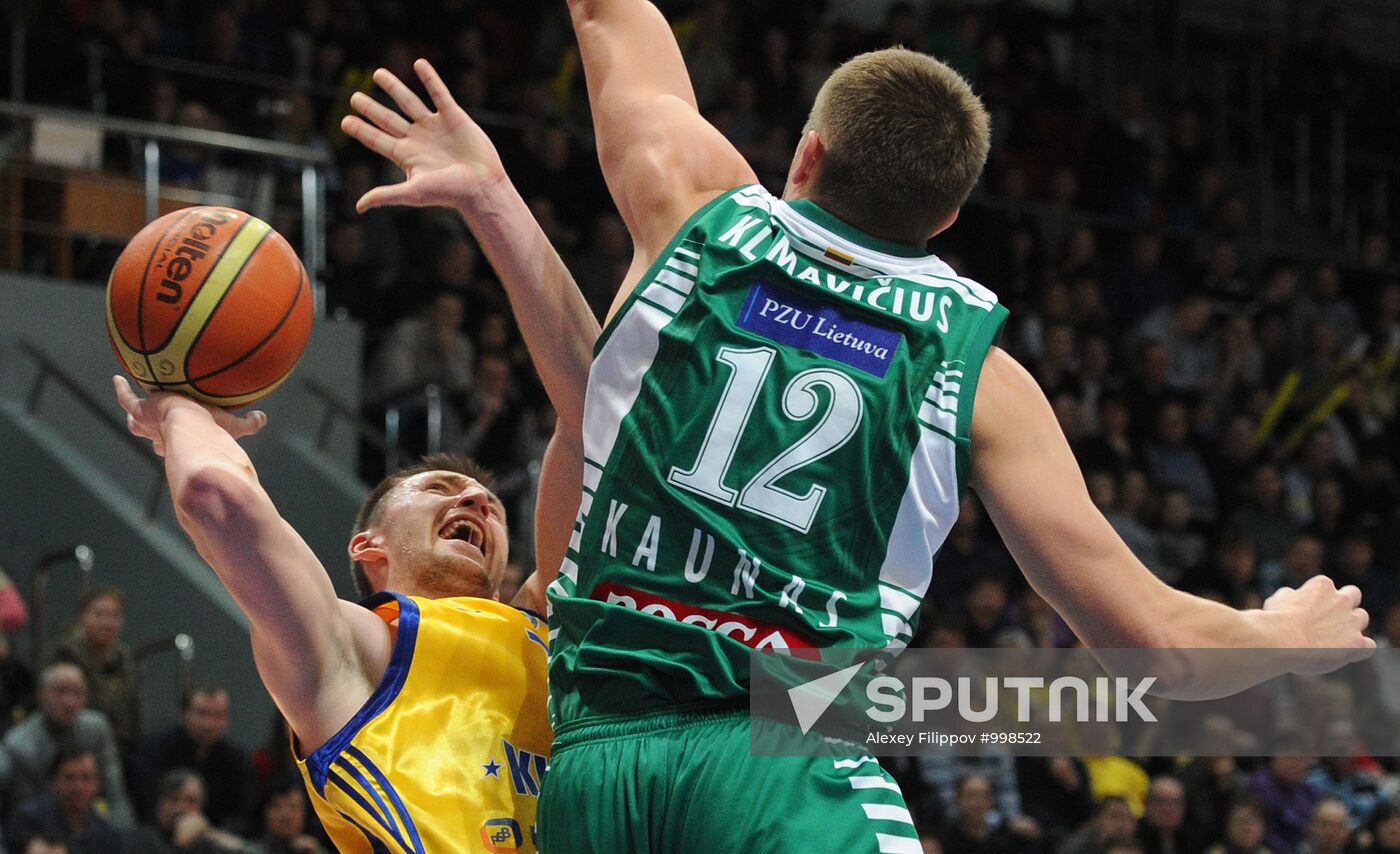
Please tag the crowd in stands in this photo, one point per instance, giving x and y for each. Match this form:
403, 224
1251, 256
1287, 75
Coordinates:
80, 770
1231, 398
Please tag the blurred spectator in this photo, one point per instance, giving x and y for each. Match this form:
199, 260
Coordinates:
1304, 559
1288, 801
1111, 449
1054, 793
1327, 830
979, 829
16, 686
282, 816
1385, 829
198, 743
970, 552
1112, 822
63, 720
67, 811
1234, 573
984, 607
428, 348
1324, 304
111, 671
14, 615
1346, 774
1182, 329
1162, 829
1262, 516
1174, 461
351, 275
945, 774
1125, 509
179, 824
600, 265
1244, 831
1213, 786
493, 413
1180, 543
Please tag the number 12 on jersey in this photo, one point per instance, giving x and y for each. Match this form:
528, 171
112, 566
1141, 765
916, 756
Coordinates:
749, 368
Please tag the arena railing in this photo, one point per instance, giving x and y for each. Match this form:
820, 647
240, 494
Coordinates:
49, 369
335, 409
181, 644
82, 557
152, 136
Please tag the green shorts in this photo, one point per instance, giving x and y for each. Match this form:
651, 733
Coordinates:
686, 782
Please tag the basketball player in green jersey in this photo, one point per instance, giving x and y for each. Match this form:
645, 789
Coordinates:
778, 425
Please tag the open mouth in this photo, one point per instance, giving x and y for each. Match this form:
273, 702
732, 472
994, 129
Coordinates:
465, 530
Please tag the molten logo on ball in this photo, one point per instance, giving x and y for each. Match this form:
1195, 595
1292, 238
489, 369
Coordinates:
191, 249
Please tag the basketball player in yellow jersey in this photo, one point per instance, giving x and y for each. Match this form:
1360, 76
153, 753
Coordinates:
420, 714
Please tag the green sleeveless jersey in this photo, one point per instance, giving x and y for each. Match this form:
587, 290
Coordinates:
776, 442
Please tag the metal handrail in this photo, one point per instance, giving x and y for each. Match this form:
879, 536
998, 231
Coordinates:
183, 645
50, 368
153, 134
171, 133
387, 441
337, 408
38, 592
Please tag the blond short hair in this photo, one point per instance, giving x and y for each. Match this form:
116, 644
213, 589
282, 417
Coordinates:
905, 137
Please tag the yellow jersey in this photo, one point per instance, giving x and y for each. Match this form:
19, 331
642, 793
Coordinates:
449, 751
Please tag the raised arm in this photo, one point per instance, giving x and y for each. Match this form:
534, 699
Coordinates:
318, 656
661, 159
448, 160
1031, 485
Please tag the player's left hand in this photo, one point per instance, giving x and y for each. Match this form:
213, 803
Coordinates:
445, 155
146, 417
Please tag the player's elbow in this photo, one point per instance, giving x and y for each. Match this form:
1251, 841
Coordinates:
213, 497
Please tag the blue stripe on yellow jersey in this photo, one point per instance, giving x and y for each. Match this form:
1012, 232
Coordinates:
449, 751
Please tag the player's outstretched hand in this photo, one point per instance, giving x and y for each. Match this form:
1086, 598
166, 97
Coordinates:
1328, 619
146, 417
445, 155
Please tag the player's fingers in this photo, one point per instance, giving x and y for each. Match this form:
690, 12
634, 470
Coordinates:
437, 90
1351, 594
393, 194
402, 95
368, 135
126, 398
246, 425
383, 118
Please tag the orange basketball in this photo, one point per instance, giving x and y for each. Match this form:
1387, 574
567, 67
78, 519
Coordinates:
209, 302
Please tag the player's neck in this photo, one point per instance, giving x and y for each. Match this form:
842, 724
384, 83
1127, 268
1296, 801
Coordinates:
904, 242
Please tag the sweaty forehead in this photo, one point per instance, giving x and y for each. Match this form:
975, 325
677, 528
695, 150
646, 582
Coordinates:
455, 480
